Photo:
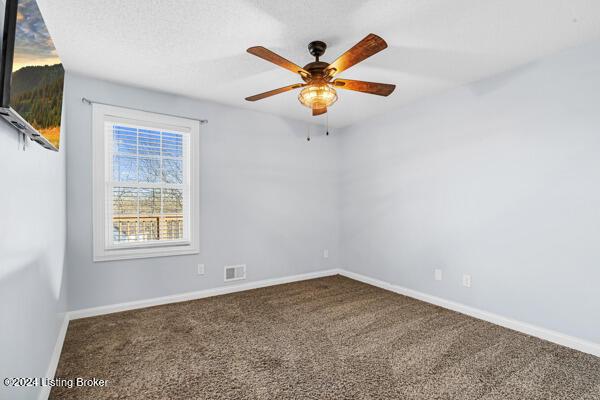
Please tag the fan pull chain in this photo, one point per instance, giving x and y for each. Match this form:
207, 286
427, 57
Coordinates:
308, 134
327, 123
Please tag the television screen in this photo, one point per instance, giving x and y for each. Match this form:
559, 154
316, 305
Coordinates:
35, 89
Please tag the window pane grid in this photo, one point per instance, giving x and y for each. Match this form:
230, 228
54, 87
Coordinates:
147, 185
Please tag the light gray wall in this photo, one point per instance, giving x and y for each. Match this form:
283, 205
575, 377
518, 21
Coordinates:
499, 179
496, 179
268, 199
32, 252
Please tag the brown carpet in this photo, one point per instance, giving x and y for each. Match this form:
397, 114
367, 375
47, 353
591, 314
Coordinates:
329, 338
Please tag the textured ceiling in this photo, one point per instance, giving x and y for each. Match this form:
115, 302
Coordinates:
197, 48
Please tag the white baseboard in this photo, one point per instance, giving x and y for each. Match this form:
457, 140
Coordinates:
523, 327
200, 294
45, 390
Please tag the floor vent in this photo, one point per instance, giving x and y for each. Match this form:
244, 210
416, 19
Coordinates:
235, 272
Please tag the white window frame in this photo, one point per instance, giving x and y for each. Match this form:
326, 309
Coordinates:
102, 175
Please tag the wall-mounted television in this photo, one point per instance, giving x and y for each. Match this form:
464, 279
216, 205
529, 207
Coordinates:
31, 73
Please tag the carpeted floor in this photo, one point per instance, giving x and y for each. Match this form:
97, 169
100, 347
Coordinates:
329, 338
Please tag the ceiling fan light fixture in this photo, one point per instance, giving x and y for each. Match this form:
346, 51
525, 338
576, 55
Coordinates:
318, 96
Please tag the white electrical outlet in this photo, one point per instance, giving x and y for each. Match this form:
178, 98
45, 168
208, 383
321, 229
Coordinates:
326, 253
466, 280
200, 269
437, 274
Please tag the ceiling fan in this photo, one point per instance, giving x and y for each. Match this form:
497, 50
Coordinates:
319, 86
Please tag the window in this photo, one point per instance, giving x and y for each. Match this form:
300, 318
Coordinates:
146, 197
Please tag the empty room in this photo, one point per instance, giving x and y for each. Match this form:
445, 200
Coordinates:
272, 200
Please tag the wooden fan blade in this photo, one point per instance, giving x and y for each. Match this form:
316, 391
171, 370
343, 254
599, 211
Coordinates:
275, 91
380, 89
268, 55
319, 111
362, 50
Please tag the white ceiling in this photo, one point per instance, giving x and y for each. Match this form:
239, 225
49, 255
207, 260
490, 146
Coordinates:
198, 48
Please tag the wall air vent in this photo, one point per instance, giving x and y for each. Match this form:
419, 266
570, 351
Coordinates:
235, 272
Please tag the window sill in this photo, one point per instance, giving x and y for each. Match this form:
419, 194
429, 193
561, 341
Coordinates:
145, 252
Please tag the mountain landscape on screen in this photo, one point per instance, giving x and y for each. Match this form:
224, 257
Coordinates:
38, 75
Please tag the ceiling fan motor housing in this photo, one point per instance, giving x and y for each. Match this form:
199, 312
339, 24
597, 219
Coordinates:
316, 70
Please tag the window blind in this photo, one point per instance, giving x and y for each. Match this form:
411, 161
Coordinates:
147, 184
